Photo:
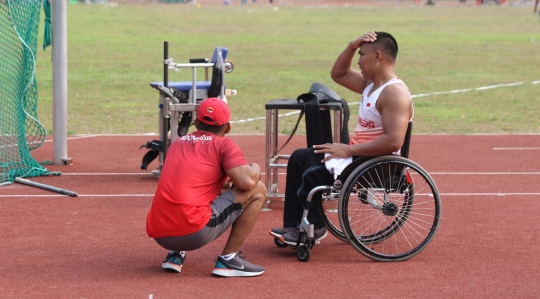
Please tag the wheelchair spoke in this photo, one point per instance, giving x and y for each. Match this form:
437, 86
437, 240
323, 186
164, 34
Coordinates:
329, 207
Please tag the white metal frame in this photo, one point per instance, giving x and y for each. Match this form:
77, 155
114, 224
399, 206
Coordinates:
170, 106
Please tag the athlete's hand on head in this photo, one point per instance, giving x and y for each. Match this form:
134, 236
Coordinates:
335, 150
364, 38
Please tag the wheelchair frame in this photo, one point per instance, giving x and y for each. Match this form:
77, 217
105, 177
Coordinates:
388, 208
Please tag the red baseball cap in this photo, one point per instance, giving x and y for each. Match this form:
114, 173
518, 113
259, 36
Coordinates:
214, 112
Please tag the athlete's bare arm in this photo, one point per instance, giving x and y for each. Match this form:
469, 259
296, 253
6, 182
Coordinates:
342, 73
395, 107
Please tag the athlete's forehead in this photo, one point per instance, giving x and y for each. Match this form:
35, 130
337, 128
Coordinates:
365, 48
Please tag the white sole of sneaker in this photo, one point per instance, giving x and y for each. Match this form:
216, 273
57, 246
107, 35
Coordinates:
317, 241
172, 267
234, 273
274, 234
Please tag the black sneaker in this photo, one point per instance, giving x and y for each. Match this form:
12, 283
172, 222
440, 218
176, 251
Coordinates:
278, 232
173, 262
237, 266
291, 237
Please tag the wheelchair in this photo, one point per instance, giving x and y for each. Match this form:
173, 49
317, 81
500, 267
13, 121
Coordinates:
387, 208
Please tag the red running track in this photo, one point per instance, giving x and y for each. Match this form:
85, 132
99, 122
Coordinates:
95, 245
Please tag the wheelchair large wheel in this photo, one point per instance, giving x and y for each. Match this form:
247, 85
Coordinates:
329, 208
389, 208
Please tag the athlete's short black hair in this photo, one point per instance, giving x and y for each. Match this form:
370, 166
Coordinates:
388, 43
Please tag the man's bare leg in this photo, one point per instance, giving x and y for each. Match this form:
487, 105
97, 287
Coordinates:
252, 202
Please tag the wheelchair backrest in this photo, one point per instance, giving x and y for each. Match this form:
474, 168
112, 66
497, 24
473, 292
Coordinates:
407, 142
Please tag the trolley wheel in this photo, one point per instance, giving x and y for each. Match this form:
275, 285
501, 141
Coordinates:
303, 253
279, 243
229, 66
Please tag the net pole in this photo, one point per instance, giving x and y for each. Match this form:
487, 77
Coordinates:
59, 54
46, 187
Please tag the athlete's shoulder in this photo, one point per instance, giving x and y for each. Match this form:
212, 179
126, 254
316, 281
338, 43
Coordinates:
399, 89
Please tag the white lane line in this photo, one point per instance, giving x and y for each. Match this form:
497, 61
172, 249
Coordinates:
105, 173
151, 195
499, 85
80, 195
492, 194
484, 173
283, 173
515, 148
481, 88
468, 173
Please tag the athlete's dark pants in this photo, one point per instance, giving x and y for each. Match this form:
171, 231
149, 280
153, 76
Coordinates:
304, 172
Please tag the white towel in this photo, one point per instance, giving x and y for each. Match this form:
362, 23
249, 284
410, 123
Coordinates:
336, 165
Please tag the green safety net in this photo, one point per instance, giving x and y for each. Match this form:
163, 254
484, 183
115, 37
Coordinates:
47, 36
20, 130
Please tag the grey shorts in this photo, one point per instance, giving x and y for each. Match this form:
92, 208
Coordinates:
224, 214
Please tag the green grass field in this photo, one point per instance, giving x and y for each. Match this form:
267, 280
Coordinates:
114, 52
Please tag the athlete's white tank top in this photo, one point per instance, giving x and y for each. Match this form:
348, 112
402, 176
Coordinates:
369, 124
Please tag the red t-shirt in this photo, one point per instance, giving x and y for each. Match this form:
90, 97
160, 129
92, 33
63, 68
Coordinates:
191, 178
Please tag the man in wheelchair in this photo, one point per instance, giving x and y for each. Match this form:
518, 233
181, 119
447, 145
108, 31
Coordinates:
385, 111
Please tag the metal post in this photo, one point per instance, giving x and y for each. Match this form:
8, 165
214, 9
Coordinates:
193, 98
275, 136
59, 54
164, 128
269, 152
338, 125
165, 65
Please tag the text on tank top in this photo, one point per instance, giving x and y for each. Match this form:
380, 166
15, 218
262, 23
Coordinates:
369, 125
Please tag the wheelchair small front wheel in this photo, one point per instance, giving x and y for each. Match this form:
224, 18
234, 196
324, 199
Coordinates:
278, 243
303, 253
